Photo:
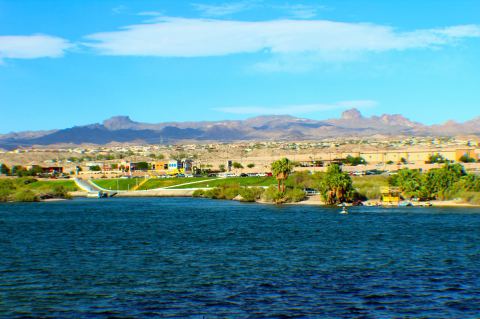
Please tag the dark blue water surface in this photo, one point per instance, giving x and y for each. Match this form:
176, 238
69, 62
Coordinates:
194, 258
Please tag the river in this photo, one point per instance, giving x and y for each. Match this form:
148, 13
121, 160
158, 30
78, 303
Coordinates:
200, 258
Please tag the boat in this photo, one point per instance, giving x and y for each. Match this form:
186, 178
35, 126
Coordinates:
344, 209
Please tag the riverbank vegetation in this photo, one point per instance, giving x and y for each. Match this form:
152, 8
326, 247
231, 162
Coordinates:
28, 189
446, 183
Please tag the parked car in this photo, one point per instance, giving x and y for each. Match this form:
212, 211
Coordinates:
243, 175
180, 175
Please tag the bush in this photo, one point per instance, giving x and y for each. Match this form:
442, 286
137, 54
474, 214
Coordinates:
199, 193
369, 187
214, 193
471, 197
272, 194
295, 195
59, 191
5, 195
25, 195
467, 159
230, 191
251, 194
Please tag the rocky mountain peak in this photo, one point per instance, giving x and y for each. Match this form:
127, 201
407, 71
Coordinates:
352, 114
119, 123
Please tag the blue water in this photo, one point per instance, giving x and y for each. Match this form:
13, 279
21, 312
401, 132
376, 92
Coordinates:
194, 258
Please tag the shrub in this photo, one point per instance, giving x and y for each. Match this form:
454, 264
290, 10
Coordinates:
467, 159
199, 193
272, 194
251, 194
4, 195
214, 193
230, 191
59, 191
25, 195
471, 197
295, 195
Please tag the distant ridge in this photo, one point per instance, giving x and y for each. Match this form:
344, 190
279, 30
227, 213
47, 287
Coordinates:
122, 129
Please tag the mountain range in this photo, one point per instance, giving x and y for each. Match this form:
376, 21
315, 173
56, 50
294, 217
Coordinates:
121, 129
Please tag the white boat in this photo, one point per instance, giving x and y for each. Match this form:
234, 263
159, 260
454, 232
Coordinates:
344, 210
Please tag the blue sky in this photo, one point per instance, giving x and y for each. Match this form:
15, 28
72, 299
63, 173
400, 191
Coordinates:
66, 63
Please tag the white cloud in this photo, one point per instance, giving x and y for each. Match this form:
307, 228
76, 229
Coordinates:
32, 47
182, 37
296, 109
223, 9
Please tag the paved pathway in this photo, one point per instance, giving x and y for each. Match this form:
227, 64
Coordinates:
189, 183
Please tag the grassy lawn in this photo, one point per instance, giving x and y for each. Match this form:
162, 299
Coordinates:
69, 185
369, 186
242, 181
118, 183
165, 182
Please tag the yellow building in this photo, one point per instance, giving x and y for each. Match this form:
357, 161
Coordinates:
415, 156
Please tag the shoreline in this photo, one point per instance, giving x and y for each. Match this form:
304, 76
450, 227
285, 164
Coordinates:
310, 201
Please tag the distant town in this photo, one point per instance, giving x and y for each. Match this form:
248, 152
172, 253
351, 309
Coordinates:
360, 156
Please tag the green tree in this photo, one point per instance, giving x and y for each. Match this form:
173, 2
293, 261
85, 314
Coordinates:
436, 159
354, 161
237, 165
95, 168
467, 159
142, 166
221, 167
408, 180
440, 183
251, 165
281, 169
336, 186
4, 169
19, 170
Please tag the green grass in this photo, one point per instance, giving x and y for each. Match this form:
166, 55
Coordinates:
369, 186
242, 181
118, 183
69, 185
166, 182
28, 189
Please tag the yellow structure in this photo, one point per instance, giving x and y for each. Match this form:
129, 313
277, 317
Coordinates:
390, 195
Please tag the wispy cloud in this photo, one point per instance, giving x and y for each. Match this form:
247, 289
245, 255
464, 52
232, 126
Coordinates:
150, 13
32, 47
182, 37
119, 9
223, 9
296, 109
301, 11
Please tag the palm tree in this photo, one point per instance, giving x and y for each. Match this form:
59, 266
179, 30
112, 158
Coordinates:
336, 185
281, 169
